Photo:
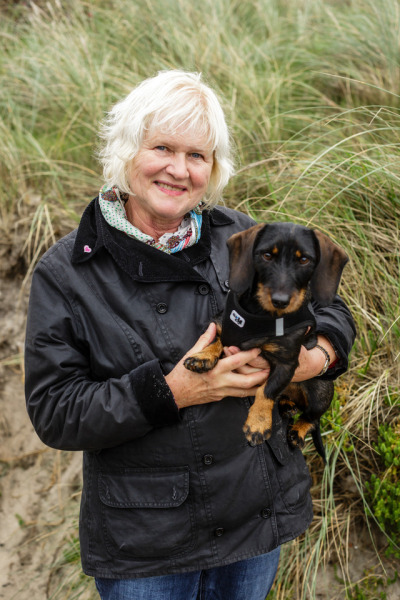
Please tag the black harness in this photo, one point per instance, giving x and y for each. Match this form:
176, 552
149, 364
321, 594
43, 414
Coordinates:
239, 326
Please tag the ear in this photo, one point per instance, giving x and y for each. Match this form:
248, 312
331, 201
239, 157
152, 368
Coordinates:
325, 280
240, 247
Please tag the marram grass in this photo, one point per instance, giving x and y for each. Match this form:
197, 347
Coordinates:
311, 93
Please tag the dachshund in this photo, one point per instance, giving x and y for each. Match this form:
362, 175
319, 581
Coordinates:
275, 270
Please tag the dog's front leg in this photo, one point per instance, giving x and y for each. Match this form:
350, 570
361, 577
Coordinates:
258, 426
206, 359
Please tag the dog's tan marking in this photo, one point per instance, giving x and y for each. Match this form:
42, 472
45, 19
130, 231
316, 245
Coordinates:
295, 393
287, 407
275, 250
264, 297
258, 424
298, 432
206, 359
298, 254
271, 347
287, 402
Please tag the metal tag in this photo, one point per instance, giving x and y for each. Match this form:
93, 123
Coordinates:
279, 329
237, 319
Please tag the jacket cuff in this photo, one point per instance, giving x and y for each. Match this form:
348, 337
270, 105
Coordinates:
154, 395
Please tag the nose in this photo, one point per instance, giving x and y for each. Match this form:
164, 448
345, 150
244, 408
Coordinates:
280, 300
177, 167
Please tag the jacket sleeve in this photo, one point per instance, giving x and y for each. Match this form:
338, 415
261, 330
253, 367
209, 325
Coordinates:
336, 323
69, 410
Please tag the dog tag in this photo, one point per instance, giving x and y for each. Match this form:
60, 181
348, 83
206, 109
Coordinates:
279, 327
237, 319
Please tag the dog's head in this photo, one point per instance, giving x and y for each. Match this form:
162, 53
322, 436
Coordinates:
281, 261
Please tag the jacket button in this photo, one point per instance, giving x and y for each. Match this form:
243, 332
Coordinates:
226, 284
208, 459
161, 308
204, 289
266, 513
219, 531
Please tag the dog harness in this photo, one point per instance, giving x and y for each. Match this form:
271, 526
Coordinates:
239, 326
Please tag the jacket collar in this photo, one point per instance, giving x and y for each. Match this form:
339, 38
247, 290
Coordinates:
142, 262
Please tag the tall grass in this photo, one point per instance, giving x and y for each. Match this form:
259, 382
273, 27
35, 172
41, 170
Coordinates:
310, 89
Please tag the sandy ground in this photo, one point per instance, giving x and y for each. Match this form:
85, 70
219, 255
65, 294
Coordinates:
40, 487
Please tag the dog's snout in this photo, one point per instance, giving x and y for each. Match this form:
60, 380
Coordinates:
280, 300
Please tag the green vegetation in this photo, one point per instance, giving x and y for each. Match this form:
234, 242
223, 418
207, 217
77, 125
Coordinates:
311, 93
383, 490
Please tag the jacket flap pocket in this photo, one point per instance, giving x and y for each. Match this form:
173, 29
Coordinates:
144, 488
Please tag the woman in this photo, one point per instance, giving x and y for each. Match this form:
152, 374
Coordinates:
175, 503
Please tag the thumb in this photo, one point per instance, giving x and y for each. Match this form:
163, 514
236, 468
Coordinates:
204, 340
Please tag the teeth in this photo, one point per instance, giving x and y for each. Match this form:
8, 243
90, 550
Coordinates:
169, 187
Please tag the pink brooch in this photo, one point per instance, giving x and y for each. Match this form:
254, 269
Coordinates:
87, 249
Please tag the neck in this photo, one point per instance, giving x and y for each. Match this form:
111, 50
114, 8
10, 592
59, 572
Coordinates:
153, 226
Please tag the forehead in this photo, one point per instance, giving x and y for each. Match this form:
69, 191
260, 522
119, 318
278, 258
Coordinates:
286, 235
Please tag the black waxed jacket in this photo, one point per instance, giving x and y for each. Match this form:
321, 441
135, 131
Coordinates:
164, 491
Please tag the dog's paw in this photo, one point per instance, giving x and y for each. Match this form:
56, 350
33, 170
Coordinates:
200, 364
258, 427
256, 437
294, 438
287, 408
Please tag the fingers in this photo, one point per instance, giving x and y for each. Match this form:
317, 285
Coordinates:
204, 340
236, 377
232, 376
248, 382
256, 364
248, 368
237, 360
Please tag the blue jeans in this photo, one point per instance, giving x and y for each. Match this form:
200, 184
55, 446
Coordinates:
249, 579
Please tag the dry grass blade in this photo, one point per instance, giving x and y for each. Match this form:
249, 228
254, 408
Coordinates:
310, 91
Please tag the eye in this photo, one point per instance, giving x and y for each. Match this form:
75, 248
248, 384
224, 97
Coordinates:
196, 155
303, 260
267, 256
162, 148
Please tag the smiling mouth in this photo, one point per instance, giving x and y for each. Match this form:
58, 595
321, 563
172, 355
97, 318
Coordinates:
169, 186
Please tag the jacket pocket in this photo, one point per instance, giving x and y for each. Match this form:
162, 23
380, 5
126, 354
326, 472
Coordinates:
146, 513
291, 472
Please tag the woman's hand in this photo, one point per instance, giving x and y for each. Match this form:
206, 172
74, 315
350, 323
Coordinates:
311, 361
253, 366
228, 378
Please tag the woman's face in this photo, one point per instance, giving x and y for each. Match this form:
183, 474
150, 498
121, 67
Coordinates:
168, 177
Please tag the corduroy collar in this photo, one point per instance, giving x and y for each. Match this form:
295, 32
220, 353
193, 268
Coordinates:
139, 260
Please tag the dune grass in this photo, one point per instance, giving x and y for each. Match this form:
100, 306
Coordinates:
310, 90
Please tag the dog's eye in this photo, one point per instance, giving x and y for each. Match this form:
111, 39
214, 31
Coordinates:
303, 260
267, 256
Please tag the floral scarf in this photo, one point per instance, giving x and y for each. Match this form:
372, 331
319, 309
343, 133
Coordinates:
112, 205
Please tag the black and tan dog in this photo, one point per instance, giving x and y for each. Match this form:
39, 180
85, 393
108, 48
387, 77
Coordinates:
275, 270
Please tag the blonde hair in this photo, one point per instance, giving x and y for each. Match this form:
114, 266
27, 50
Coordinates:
169, 101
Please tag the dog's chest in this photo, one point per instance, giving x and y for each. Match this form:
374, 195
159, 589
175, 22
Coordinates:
240, 327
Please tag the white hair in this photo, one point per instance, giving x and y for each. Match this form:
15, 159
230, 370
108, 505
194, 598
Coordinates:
169, 101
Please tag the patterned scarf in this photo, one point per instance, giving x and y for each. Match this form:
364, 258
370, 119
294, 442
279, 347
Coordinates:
112, 205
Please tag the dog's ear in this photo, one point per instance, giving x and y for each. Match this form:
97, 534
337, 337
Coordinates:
325, 280
240, 247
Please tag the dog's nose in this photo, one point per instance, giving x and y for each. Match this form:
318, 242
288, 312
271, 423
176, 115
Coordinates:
280, 300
